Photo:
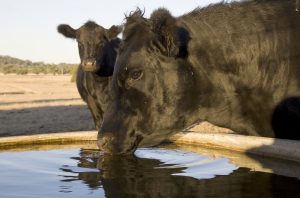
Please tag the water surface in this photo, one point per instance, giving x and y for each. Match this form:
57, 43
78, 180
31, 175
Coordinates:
154, 173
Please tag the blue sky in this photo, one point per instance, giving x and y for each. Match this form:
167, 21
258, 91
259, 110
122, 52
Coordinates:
28, 27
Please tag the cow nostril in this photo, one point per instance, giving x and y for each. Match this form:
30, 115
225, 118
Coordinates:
132, 133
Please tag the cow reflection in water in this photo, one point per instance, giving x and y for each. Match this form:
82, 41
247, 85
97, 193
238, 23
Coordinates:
130, 176
88, 160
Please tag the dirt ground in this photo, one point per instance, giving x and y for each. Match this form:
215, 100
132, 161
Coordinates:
34, 104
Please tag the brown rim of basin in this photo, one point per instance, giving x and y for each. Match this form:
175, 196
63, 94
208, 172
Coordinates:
270, 147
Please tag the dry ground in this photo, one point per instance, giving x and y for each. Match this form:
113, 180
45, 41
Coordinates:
33, 104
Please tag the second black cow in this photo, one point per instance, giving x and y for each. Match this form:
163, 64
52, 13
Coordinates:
97, 50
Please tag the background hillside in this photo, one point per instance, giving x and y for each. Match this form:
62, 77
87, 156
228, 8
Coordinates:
9, 65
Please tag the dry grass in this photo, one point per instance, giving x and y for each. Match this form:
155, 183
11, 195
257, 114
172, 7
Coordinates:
34, 104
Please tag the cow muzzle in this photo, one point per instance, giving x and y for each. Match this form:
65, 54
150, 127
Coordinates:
109, 144
89, 65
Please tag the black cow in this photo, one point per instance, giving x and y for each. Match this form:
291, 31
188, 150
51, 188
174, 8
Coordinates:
98, 50
230, 64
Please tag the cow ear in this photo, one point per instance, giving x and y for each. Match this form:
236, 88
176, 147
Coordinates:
174, 39
113, 31
163, 24
67, 31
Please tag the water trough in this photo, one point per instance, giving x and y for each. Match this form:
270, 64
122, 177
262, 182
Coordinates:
270, 147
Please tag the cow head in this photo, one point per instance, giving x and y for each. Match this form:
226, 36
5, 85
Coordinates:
152, 93
94, 42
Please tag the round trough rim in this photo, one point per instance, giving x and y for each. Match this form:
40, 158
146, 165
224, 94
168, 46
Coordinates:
263, 146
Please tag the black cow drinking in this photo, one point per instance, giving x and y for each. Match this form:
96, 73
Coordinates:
230, 64
98, 50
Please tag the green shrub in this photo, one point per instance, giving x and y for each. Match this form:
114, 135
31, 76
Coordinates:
13, 65
22, 71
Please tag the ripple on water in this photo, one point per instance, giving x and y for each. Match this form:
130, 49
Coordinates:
195, 165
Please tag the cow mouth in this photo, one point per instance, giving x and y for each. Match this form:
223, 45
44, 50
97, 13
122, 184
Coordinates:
89, 65
134, 145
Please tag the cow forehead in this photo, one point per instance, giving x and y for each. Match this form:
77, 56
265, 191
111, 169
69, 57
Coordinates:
134, 58
96, 32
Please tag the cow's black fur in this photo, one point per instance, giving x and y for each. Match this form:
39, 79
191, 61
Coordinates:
100, 45
230, 64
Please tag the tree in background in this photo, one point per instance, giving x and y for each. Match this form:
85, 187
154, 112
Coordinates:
11, 65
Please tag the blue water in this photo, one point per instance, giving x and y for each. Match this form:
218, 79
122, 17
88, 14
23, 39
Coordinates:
150, 173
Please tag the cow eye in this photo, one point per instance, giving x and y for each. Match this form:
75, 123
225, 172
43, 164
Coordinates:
136, 75
133, 77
